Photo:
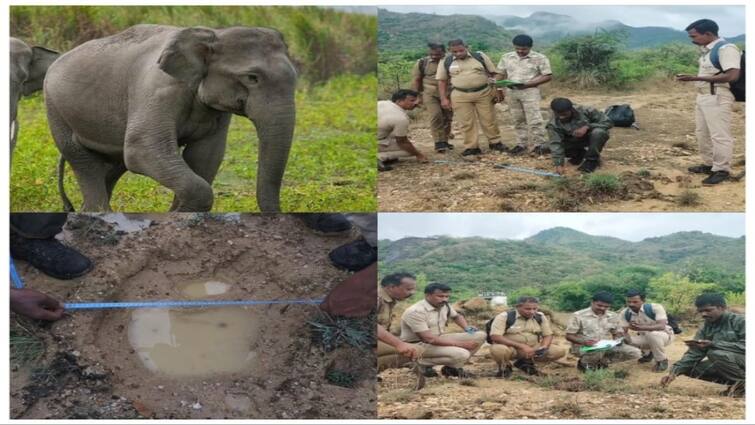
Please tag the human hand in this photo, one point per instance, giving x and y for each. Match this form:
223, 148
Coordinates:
470, 329
467, 345
686, 77
526, 351
407, 350
445, 103
580, 132
35, 305
589, 342
560, 169
667, 380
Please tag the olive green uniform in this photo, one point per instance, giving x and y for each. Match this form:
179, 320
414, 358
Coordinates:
472, 98
524, 331
588, 324
440, 119
724, 360
564, 145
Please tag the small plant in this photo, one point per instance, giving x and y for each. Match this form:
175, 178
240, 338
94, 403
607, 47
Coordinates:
564, 203
605, 380
602, 184
25, 345
468, 382
644, 172
341, 378
688, 198
334, 332
568, 408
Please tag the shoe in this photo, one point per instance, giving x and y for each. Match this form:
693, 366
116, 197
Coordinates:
472, 151
660, 366
353, 256
458, 372
428, 372
383, 167
735, 390
50, 257
588, 166
701, 169
526, 366
541, 149
518, 150
646, 358
505, 373
326, 223
443, 146
500, 147
577, 159
716, 178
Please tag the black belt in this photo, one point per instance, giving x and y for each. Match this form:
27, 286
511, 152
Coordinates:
471, 90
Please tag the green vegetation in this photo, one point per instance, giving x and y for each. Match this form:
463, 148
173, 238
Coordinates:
605, 380
331, 165
565, 267
688, 198
25, 346
333, 332
602, 184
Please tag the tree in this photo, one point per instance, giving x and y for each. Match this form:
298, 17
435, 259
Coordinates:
677, 293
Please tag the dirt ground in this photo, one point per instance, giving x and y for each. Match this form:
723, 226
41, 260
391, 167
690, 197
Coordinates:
559, 395
89, 370
651, 162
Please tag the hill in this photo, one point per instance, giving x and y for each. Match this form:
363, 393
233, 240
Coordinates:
554, 256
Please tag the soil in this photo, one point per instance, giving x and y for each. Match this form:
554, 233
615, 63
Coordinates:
651, 161
89, 370
562, 394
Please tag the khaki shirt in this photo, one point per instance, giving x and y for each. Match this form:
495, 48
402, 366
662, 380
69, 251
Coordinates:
423, 317
429, 83
728, 56
392, 122
591, 326
385, 308
523, 70
467, 73
523, 330
642, 318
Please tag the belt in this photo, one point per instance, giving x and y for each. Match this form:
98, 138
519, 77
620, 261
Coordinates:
471, 90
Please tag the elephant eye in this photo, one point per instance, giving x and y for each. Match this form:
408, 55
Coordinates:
253, 78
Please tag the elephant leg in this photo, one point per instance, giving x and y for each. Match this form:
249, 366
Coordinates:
114, 173
158, 157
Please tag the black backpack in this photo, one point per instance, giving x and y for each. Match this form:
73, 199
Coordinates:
422, 63
737, 87
477, 55
620, 115
648, 309
510, 319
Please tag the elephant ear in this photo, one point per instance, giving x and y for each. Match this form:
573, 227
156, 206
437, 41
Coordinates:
186, 55
41, 59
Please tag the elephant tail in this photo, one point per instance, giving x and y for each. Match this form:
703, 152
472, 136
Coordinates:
67, 205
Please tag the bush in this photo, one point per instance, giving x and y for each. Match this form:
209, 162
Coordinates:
677, 293
590, 58
569, 296
602, 184
736, 299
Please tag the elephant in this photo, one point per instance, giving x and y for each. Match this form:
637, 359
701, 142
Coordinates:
157, 101
28, 66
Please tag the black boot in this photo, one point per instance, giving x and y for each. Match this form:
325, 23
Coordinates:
500, 147
472, 151
588, 166
353, 256
443, 146
716, 178
326, 223
50, 256
518, 150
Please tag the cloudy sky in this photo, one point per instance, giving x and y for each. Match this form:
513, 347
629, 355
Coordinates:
627, 226
731, 19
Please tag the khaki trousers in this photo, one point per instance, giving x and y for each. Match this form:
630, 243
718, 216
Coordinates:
503, 354
440, 119
654, 341
525, 111
389, 358
476, 109
713, 128
390, 150
435, 355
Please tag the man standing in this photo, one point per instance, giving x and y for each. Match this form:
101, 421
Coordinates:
578, 133
424, 324
391, 351
531, 69
523, 334
424, 82
587, 327
393, 128
650, 323
718, 66
472, 98
717, 353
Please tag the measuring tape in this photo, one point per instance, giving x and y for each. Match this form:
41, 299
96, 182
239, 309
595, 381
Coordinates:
534, 171
95, 305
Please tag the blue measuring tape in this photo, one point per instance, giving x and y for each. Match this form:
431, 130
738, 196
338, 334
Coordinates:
94, 305
534, 171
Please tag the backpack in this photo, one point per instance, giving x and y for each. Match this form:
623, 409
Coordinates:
510, 319
477, 55
648, 309
422, 63
621, 115
737, 87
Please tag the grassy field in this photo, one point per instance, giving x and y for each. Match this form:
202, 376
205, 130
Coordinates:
331, 166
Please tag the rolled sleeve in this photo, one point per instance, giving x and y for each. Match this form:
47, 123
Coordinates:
441, 74
545, 327
729, 57
574, 326
489, 65
545, 67
452, 313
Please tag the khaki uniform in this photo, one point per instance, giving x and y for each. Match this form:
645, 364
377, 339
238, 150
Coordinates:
422, 317
654, 341
387, 355
525, 331
713, 110
393, 122
525, 104
472, 98
587, 324
440, 119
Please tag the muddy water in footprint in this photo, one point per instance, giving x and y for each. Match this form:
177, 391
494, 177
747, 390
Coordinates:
195, 341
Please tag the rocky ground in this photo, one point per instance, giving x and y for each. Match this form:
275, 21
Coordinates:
650, 164
84, 367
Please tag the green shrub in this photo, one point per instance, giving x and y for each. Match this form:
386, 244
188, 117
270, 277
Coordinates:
602, 184
677, 293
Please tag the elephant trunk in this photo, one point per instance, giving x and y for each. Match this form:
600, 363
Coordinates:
275, 128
